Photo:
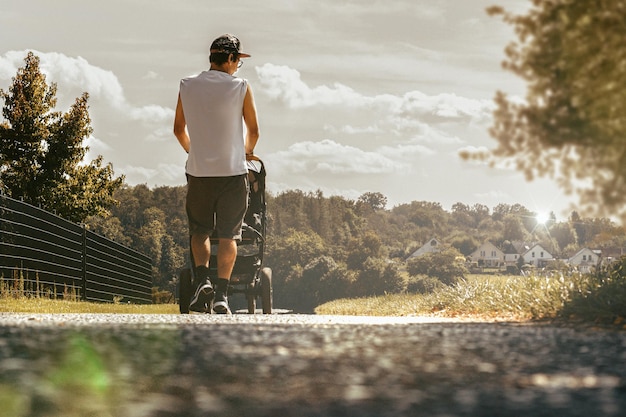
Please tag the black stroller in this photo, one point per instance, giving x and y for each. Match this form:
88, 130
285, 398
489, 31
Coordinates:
249, 277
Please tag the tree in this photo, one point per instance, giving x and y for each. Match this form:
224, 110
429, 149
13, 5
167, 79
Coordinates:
572, 124
447, 266
377, 277
513, 228
375, 201
369, 245
42, 151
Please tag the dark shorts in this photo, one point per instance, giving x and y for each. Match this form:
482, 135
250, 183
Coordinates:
217, 204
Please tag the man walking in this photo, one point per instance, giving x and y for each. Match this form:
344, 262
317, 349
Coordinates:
211, 110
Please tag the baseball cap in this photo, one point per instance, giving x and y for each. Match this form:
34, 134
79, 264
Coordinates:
228, 44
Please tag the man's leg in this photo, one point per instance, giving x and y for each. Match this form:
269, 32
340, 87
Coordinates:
226, 256
201, 250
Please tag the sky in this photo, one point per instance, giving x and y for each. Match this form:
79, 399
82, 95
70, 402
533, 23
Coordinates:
353, 96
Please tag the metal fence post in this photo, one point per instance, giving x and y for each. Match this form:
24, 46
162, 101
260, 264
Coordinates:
84, 265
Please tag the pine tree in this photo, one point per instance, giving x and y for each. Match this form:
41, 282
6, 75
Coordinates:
41, 150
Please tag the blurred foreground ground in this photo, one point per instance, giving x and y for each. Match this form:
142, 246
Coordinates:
301, 365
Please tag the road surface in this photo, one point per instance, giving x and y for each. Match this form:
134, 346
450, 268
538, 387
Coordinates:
305, 365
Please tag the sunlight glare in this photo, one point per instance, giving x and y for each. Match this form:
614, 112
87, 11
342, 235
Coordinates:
542, 217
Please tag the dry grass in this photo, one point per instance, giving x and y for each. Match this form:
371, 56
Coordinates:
19, 296
481, 296
44, 305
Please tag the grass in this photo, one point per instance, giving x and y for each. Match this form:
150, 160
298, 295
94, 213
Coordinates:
492, 297
587, 298
25, 304
18, 295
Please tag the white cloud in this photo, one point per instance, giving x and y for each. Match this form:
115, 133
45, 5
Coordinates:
174, 173
407, 152
77, 74
330, 157
96, 145
283, 83
410, 116
9, 63
354, 130
163, 134
152, 114
151, 75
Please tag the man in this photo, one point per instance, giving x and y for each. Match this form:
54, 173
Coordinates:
208, 124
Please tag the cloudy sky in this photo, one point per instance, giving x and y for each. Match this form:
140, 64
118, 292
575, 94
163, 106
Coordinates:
353, 96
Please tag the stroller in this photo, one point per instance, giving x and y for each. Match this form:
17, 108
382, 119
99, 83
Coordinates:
249, 277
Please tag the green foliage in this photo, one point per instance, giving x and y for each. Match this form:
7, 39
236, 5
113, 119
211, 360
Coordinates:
423, 284
572, 124
373, 201
603, 299
446, 265
377, 276
41, 150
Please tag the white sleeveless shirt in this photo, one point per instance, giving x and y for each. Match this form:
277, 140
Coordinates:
213, 105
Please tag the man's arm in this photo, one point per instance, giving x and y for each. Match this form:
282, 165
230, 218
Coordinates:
250, 119
180, 126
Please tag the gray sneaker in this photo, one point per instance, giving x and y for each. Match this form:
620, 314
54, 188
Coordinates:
201, 300
220, 303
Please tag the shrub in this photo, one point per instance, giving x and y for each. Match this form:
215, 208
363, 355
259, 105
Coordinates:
604, 300
423, 284
445, 266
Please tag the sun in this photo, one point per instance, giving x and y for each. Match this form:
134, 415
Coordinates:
542, 217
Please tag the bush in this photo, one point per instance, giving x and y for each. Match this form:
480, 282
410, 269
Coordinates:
445, 266
604, 300
423, 284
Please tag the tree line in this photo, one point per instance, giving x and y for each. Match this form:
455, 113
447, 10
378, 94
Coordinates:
325, 247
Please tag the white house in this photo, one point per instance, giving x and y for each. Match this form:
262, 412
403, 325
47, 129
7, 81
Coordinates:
488, 254
585, 260
513, 252
431, 246
536, 255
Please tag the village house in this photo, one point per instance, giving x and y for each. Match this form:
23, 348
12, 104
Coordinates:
488, 255
585, 260
433, 245
537, 256
513, 253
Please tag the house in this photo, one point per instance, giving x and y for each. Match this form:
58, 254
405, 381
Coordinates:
433, 245
489, 255
585, 260
537, 256
513, 252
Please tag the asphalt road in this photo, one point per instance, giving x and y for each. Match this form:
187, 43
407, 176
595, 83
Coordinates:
299, 365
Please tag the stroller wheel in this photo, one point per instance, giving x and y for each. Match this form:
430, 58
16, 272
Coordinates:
251, 304
266, 290
184, 290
